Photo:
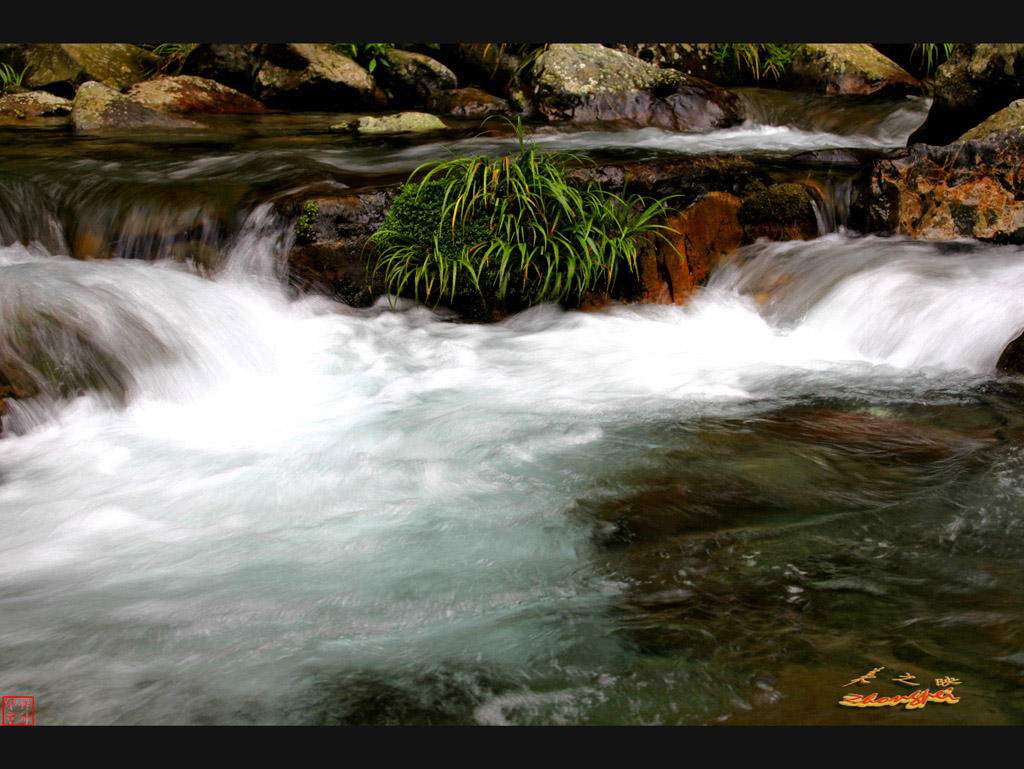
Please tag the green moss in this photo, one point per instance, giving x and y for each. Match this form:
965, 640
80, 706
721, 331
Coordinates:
304, 227
782, 204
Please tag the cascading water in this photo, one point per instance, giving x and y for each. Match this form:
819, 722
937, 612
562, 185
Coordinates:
232, 506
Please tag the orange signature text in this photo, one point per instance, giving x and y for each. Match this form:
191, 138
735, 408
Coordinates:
917, 699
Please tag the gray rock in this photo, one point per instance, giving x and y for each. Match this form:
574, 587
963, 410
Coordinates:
314, 76
413, 77
588, 83
402, 122
848, 68
34, 104
59, 68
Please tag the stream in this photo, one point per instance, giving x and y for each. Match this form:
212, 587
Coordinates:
270, 509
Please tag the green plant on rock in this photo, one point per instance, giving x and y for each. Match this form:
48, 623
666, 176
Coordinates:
369, 55
304, 227
9, 77
931, 55
170, 56
509, 230
741, 60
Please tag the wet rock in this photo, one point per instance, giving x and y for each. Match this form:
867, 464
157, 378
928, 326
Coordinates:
1012, 358
467, 102
976, 81
783, 212
485, 64
1008, 118
331, 253
412, 78
401, 122
33, 104
698, 238
588, 83
314, 76
233, 64
60, 68
186, 94
848, 68
98, 106
968, 189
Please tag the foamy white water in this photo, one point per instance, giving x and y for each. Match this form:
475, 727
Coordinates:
295, 490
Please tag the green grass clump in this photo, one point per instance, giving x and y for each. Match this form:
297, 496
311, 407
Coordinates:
932, 55
509, 230
742, 60
170, 57
9, 77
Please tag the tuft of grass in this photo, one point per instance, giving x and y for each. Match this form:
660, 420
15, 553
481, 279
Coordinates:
509, 229
304, 227
9, 77
932, 55
170, 56
738, 61
369, 55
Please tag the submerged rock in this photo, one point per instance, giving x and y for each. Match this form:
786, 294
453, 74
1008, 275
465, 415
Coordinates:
97, 106
185, 94
976, 81
467, 102
783, 212
401, 122
588, 83
59, 68
848, 68
314, 76
968, 189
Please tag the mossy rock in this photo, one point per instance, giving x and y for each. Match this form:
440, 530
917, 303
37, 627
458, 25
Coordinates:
1009, 118
783, 212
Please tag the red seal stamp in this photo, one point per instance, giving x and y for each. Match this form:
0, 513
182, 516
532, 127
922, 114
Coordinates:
19, 711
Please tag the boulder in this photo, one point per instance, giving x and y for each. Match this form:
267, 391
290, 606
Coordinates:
968, 189
33, 104
233, 64
401, 122
331, 253
186, 94
314, 76
697, 239
588, 83
848, 68
1009, 118
60, 68
976, 81
467, 102
693, 59
412, 78
98, 106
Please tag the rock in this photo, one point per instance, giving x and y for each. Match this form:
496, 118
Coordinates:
976, 81
693, 59
412, 78
59, 68
467, 102
848, 68
186, 94
588, 83
97, 106
401, 122
1012, 358
485, 64
1008, 118
968, 189
233, 64
783, 212
34, 104
332, 255
314, 76
700, 236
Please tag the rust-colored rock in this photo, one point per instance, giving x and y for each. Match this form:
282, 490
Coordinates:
187, 94
968, 189
700, 236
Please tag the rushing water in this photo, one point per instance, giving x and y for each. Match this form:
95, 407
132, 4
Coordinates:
270, 510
